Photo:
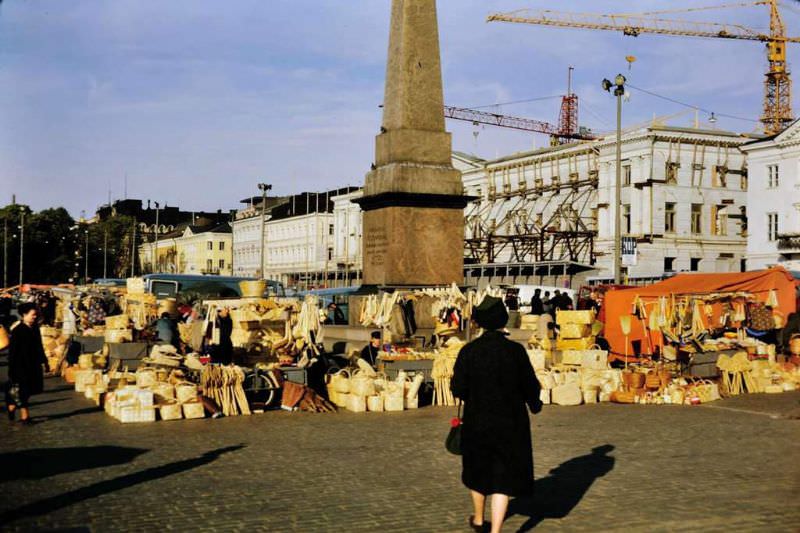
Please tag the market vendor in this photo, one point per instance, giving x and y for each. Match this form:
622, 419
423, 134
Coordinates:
167, 330
370, 352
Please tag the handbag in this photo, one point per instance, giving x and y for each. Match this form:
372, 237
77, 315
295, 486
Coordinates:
453, 441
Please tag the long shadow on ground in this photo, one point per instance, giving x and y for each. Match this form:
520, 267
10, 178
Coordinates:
556, 495
41, 463
61, 501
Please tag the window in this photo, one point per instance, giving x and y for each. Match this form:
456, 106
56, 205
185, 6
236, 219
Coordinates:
221, 264
626, 218
209, 265
209, 245
330, 229
671, 173
772, 226
330, 254
772, 176
669, 264
626, 174
719, 220
697, 219
694, 264
719, 176
669, 217
221, 245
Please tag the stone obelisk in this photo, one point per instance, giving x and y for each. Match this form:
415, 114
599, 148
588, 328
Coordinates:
413, 198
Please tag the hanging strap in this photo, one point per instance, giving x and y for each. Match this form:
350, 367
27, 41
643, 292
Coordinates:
459, 409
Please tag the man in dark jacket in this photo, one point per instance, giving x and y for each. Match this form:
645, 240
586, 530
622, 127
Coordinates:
370, 352
494, 378
537, 306
26, 360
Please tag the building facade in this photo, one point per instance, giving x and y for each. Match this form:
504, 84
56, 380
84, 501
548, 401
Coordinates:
347, 228
548, 216
298, 239
773, 229
190, 250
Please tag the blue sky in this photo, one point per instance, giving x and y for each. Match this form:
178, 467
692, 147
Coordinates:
198, 100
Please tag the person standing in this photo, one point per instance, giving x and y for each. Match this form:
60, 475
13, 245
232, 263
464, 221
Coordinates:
494, 378
223, 352
537, 306
26, 363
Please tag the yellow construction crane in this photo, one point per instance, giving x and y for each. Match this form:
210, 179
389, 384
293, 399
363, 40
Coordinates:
777, 112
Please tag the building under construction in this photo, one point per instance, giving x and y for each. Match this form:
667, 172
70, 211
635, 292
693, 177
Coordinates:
547, 216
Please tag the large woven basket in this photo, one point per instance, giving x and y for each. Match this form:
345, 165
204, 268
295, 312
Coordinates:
252, 288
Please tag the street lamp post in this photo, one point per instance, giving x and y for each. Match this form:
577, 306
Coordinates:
263, 187
105, 253
5, 252
618, 87
86, 261
21, 242
155, 252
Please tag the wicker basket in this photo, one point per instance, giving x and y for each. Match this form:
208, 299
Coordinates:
623, 397
652, 381
633, 380
193, 410
170, 411
253, 288
186, 392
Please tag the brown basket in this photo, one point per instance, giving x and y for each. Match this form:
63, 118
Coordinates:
652, 381
619, 396
633, 380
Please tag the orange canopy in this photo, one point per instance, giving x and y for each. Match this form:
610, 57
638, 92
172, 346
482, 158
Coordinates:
758, 283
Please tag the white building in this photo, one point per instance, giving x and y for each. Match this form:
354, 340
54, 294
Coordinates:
548, 215
246, 244
773, 227
298, 239
347, 228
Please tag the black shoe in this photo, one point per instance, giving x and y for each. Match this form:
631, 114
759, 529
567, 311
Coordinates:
27, 422
486, 526
12, 415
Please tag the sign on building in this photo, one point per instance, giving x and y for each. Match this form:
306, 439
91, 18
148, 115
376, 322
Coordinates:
628, 251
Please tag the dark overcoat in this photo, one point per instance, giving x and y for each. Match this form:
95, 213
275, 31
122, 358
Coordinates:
495, 379
25, 359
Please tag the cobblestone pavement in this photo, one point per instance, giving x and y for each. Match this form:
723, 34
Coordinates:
731, 465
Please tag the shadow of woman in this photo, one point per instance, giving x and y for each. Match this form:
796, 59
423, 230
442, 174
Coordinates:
41, 463
82, 494
556, 495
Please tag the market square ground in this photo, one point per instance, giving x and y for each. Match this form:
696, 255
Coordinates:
730, 465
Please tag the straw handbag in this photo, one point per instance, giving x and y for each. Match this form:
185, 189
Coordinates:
193, 410
567, 394
170, 411
361, 384
186, 392
357, 404
375, 403
340, 381
145, 377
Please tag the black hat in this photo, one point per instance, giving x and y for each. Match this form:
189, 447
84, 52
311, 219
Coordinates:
375, 335
491, 313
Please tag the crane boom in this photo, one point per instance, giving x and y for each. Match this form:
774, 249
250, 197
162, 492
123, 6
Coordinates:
505, 121
631, 25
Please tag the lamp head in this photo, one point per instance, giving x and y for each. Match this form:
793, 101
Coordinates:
619, 80
712, 119
606, 84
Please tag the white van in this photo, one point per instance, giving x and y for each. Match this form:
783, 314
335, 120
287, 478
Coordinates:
526, 293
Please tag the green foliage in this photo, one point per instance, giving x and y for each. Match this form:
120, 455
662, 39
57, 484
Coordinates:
55, 246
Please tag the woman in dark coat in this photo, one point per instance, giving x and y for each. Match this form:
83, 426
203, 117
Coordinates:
26, 359
494, 378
